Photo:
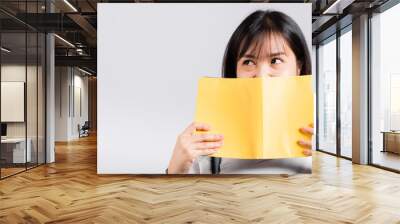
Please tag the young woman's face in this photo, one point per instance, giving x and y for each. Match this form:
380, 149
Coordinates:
277, 60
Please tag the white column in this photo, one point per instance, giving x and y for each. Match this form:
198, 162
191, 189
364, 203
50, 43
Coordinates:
50, 100
360, 90
50, 92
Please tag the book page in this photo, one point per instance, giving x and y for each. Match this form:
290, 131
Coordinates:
259, 117
287, 106
232, 108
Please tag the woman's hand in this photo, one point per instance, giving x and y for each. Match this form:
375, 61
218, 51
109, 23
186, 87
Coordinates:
309, 130
190, 145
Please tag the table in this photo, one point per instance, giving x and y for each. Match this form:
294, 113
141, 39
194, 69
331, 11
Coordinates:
391, 141
17, 150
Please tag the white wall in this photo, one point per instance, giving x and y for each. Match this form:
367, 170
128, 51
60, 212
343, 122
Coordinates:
82, 83
61, 103
68, 81
150, 57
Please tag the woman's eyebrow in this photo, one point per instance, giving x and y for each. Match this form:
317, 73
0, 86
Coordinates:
249, 56
276, 54
270, 55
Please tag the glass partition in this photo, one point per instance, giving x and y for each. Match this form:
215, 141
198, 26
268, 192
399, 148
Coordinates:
327, 96
14, 153
32, 95
22, 77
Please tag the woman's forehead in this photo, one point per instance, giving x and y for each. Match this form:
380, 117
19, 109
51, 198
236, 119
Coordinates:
267, 45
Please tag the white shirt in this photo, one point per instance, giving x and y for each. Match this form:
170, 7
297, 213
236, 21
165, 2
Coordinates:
202, 165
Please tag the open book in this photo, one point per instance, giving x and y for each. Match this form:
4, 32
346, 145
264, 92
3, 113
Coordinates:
259, 117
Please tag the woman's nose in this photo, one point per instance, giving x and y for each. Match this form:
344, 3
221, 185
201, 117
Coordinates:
264, 70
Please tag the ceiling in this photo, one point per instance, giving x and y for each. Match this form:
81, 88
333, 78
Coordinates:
76, 22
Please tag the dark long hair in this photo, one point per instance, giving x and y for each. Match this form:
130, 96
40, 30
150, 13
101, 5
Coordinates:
253, 31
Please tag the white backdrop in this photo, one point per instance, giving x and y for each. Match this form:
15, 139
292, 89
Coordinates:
150, 57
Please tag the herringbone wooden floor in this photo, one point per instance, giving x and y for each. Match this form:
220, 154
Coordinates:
70, 191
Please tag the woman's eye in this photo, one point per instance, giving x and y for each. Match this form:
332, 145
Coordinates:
276, 61
248, 62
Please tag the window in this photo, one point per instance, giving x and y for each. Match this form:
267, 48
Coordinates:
385, 89
327, 96
346, 92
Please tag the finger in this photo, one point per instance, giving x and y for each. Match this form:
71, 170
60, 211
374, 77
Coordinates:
207, 137
305, 144
196, 126
207, 145
307, 130
307, 152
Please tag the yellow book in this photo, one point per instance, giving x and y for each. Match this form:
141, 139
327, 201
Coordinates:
259, 117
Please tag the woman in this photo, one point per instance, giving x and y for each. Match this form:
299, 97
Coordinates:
266, 43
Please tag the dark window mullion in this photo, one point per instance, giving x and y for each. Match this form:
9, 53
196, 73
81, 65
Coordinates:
338, 76
26, 87
316, 125
369, 90
37, 90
